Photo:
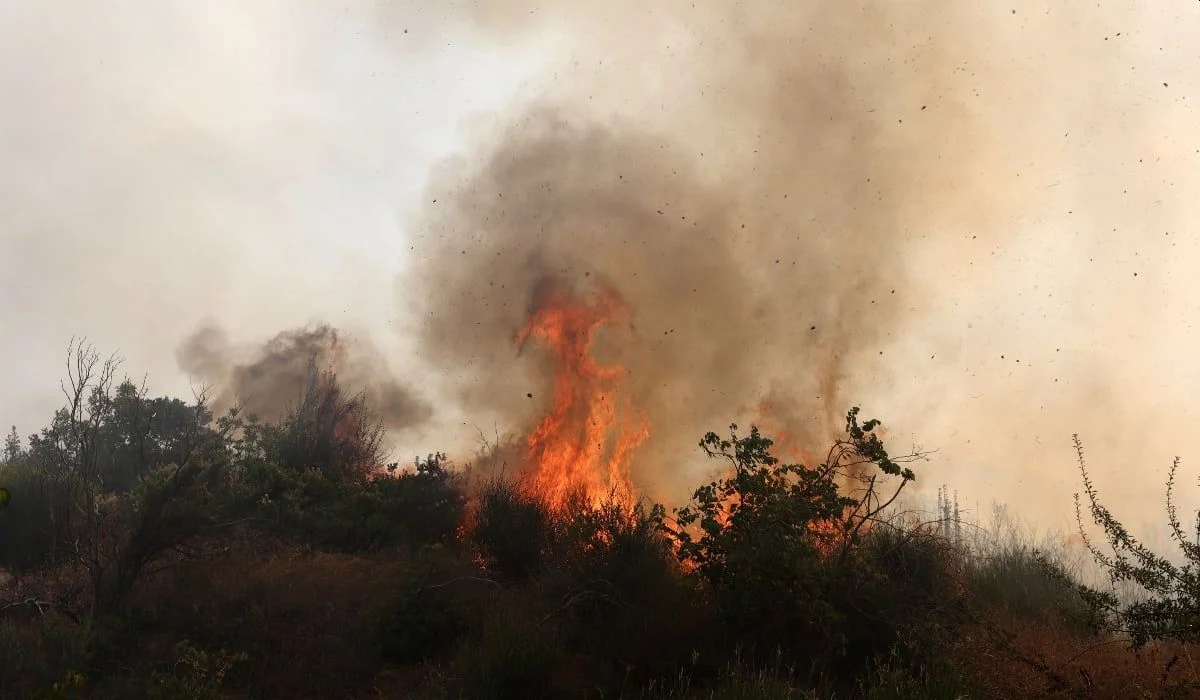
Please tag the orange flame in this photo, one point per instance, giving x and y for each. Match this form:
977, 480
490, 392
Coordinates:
585, 442
780, 423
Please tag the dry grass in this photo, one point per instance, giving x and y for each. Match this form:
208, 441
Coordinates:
1021, 657
307, 619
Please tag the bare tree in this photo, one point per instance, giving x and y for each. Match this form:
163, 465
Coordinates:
113, 536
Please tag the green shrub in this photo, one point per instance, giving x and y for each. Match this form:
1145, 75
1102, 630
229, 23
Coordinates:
413, 509
198, 674
734, 680
896, 679
1026, 582
620, 596
779, 545
420, 624
512, 658
902, 596
743, 684
417, 508
511, 529
26, 528
1168, 607
38, 653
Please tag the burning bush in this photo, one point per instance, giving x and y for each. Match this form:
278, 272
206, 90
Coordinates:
774, 558
781, 547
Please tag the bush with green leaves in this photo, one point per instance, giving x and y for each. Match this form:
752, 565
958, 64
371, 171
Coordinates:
318, 475
422, 622
893, 678
38, 653
1005, 569
903, 596
779, 545
512, 657
119, 482
1169, 607
326, 446
619, 594
511, 528
197, 674
26, 527
421, 506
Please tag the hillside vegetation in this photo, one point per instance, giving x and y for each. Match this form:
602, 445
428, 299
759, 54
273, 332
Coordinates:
155, 550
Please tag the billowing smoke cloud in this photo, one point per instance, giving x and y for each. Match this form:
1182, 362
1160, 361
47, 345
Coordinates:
241, 161
761, 238
753, 178
269, 379
963, 216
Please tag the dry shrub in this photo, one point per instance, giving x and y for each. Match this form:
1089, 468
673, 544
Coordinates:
37, 652
1023, 657
306, 619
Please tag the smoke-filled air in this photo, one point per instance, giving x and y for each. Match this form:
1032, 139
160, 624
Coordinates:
967, 216
973, 220
553, 348
269, 379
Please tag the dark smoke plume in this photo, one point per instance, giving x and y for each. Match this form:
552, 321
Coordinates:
267, 380
759, 236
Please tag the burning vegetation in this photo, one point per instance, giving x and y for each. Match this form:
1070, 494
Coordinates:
586, 440
309, 571
734, 236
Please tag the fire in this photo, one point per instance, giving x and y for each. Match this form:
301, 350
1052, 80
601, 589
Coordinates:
586, 440
793, 443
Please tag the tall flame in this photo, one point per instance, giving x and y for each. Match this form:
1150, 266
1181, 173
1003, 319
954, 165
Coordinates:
585, 442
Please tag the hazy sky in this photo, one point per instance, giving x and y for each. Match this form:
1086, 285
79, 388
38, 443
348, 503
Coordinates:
265, 164
249, 162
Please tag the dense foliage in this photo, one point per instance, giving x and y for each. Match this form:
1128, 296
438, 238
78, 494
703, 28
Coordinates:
156, 550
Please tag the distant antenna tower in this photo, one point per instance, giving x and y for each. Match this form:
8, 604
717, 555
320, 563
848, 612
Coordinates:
949, 515
957, 523
943, 515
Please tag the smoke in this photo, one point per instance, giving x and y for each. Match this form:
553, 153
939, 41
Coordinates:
269, 379
240, 161
975, 219
760, 234
932, 209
